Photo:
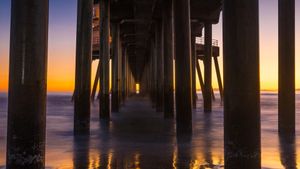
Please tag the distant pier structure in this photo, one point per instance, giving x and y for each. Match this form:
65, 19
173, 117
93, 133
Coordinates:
143, 39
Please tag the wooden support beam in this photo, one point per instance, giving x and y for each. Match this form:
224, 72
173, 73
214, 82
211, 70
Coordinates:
213, 94
96, 82
120, 81
115, 68
159, 67
207, 68
124, 55
26, 121
200, 77
154, 56
82, 92
153, 75
194, 92
182, 32
241, 84
217, 68
168, 59
105, 51
286, 63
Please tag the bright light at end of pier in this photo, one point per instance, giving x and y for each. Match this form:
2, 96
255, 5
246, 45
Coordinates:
137, 88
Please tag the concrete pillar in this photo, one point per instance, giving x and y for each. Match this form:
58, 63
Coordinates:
182, 32
241, 84
115, 68
120, 81
159, 67
123, 74
207, 67
194, 94
128, 78
26, 125
104, 69
154, 56
83, 67
286, 63
151, 74
168, 59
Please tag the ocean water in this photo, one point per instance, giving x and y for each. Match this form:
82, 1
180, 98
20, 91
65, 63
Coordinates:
138, 137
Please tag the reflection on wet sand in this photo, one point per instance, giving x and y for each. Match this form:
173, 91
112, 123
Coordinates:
207, 141
81, 151
288, 151
144, 140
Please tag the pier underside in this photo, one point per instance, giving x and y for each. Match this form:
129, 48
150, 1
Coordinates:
147, 104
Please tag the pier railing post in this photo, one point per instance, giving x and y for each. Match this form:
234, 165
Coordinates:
168, 59
286, 63
26, 127
83, 67
182, 33
104, 69
241, 84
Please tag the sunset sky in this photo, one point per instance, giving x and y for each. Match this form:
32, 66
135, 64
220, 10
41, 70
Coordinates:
62, 35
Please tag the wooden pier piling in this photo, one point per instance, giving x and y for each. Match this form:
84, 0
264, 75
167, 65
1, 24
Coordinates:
286, 63
115, 68
194, 53
26, 127
241, 84
182, 32
168, 59
83, 67
207, 67
105, 57
159, 67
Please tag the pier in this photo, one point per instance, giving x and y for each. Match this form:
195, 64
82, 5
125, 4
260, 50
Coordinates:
152, 49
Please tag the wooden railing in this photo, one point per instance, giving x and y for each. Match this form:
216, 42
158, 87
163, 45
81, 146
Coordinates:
200, 40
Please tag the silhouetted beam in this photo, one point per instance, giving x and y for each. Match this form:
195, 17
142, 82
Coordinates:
168, 59
120, 75
128, 76
286, 63
213, 94
26, 126
241, 84
207, 67
152, 59
104, 69
124, 74
96, 81
160, 68
83, 67
200, 77
194, 94
115, 70
182, 32
154, 56
217, 67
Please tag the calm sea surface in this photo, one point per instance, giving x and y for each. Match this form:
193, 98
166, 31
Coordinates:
138, 137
